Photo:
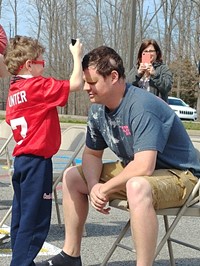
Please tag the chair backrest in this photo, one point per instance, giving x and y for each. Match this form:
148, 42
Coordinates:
72, 137
72, 141
5, 130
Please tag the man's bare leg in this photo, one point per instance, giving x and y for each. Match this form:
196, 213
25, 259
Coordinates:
75, 208
144, 224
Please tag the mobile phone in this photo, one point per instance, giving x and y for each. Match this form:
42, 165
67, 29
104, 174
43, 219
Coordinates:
73, 41
146, 58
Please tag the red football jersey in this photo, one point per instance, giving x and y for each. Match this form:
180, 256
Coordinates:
31, 111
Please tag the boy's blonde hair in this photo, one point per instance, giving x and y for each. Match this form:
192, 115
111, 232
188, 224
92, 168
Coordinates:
19, 50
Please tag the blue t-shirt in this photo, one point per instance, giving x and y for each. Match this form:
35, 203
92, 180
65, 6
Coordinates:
142, 122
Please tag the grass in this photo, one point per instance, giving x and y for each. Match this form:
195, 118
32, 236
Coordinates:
73, 120
189, 125
2, 117
64, 119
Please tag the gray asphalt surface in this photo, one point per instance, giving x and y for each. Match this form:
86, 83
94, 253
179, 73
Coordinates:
101, 233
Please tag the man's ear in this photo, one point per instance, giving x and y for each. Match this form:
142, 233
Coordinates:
114, 76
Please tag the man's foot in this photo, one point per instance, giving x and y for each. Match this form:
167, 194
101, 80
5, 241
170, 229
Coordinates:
62, 259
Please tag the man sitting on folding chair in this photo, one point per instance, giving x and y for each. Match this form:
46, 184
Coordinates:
158, 168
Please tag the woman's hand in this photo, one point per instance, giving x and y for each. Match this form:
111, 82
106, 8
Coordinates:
151, 70
142, 69
146, 69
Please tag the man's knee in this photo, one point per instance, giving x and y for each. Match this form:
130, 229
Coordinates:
138, 188
71, 174
68, 173
73, 179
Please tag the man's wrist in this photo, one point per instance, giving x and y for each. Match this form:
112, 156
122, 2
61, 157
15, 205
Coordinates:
103, 190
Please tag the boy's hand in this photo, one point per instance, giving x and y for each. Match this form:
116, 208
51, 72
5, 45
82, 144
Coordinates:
76, 79
76, 49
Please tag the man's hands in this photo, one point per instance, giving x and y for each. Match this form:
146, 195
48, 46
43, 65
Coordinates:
98, 199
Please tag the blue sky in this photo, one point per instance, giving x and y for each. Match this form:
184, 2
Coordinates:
7, 18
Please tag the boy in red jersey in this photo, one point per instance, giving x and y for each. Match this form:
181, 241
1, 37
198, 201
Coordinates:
31, 112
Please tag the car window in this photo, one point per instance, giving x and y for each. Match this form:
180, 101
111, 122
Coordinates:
176, 102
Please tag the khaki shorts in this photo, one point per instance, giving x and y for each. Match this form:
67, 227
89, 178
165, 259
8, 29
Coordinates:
170, 187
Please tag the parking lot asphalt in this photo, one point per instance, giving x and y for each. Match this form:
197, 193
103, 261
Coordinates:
101, 233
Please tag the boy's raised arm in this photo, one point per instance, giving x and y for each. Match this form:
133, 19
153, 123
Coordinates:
76, 79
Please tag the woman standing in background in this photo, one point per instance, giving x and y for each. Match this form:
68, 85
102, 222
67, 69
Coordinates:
152, 74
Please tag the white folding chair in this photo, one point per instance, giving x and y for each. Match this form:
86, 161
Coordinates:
5, 137
72, 141
190, 208
6, 159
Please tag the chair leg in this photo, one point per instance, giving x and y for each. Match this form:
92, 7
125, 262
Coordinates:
57, 207
170, 230
115, 244
6, 216
169, 242
84, 231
